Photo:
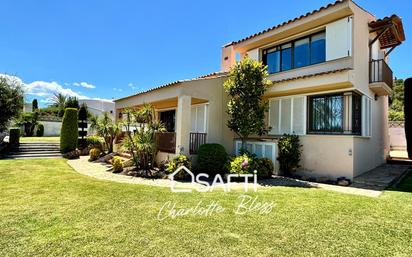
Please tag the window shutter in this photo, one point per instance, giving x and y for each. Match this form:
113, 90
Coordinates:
298, 115
285, 115
200, 126
193, 119
274, 116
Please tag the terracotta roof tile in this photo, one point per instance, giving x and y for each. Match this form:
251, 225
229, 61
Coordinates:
288, 22
174, 83
311, 75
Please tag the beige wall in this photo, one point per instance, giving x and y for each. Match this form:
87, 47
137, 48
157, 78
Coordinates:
327, 156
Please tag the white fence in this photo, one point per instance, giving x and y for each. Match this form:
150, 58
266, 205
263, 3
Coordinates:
397, 135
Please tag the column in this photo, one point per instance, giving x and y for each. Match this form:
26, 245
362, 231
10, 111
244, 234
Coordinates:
184, 104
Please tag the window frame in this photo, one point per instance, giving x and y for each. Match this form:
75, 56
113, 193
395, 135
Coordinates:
292, 42
351, 112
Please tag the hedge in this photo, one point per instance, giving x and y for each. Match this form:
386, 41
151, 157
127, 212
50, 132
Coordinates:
40, 130
69, 131
211, 158
14, 137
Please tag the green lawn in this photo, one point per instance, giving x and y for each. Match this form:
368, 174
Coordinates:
47, 209
39, 139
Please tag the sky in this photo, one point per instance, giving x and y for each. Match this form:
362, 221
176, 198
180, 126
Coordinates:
110, 49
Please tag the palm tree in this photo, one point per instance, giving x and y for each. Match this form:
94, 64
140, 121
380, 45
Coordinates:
59, 100
106, 128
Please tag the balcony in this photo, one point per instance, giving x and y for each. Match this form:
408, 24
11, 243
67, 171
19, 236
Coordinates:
196, 140
380, 77
166, 142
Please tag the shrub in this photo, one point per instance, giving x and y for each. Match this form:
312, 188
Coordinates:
14, 137
180, 160
264, 167
94, 154
289, 153
117, 164
243, 164
40, 130
69, 131
211, 158
408, 114
94, 142
72, 154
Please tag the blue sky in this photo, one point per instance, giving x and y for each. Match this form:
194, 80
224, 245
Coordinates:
110, 49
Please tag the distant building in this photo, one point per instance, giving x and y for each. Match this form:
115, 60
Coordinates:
98, 107
27, 107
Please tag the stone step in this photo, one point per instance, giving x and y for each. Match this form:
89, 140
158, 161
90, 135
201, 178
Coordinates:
29, 156
36, 148
37, 144
35, 152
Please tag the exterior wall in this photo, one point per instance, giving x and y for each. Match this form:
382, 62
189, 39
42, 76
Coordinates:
52, 128
97, 107
327, 156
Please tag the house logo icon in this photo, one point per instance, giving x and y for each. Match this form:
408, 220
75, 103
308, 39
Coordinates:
173, 182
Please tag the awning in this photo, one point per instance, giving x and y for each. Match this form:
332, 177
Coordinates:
389, 32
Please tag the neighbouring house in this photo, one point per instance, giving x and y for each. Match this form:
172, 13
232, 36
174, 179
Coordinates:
98, 106
28, 107
331, 82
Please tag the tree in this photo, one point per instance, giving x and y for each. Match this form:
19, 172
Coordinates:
408, 115
396, 112
106, 128
142, 144
34, 105
69, 131
29, 121
82, 124
72, 102
246, 84
11, 100
59, 100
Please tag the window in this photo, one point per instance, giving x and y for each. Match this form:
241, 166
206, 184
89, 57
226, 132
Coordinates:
318, 48
338, 113
287, 115
298, 53
199, 118
261, 149
301, 53
286, 57
366, 116
326, 113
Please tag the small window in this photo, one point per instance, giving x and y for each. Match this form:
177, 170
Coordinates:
286, 57
301, 53
273, 60
318, 48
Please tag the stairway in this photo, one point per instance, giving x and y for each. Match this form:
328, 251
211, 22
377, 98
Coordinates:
32, 150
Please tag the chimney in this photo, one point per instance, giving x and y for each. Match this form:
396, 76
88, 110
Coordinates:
228, 57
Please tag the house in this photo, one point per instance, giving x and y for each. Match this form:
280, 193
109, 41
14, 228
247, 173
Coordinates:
331, 82
98, 106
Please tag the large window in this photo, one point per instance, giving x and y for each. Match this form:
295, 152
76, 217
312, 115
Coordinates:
298, 53
338, 113
287, 115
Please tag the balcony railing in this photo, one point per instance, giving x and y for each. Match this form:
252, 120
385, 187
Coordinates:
166, 142
196, 140
379, 71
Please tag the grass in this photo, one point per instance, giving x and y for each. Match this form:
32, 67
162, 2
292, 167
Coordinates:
39, 139
47, 209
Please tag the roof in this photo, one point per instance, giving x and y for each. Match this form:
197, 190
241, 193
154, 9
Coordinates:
312, 75
390, 31
175, 83
288, 22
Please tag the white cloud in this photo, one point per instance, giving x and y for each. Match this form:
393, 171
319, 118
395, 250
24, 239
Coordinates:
117, 89
83, 84
131, 86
